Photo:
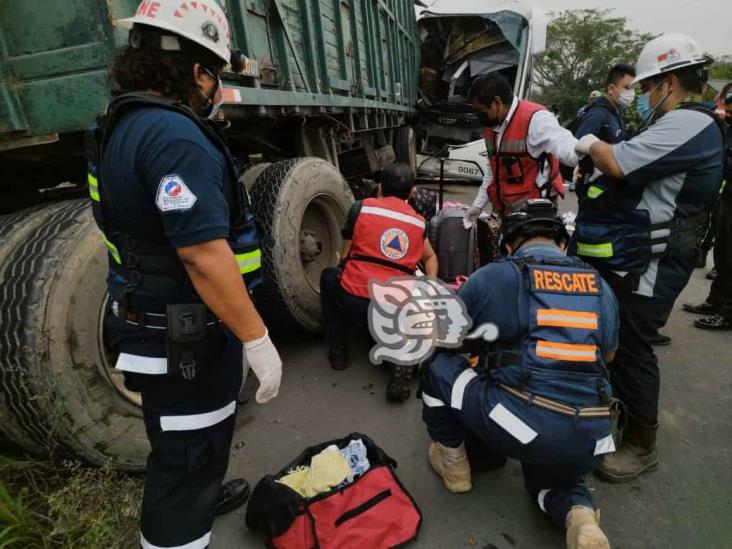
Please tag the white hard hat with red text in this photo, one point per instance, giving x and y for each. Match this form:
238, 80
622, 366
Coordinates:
667, 53
201, 22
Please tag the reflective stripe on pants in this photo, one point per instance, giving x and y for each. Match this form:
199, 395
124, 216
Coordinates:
200, 543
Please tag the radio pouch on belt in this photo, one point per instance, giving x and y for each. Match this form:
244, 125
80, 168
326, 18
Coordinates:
185, 344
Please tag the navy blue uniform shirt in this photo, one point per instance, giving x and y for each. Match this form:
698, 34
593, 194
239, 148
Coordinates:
602, 119
166, 183
491, 294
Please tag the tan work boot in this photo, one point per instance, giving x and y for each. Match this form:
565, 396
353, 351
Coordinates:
636, 455
583, 529
452, 465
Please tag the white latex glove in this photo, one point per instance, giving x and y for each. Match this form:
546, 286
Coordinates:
471, 216
582, 148
265, 362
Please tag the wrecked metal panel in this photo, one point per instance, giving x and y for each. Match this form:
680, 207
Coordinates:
511, 25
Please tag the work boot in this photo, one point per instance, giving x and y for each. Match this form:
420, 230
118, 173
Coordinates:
452, 465
398, 388
232, 495
338, 356
636, 455
704, 308
583, 529
660, 339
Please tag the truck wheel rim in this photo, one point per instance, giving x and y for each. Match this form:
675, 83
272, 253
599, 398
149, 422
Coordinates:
319, 242
107, 361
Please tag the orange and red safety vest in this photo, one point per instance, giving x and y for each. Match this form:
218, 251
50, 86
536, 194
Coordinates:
388, 241
514, 170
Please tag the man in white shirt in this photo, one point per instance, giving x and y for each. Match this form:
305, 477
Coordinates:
525, 144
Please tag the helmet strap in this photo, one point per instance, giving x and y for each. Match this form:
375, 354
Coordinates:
208, 99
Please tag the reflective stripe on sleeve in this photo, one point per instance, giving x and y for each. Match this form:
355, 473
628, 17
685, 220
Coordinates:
431, 402
113, 251
249, 262
566, 319
595, 250
383, 212
200, 543
93, 187
458, 388
142, 364
571, 352
197, 421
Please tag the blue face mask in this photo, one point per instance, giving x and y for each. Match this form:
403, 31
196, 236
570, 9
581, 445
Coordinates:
644, 106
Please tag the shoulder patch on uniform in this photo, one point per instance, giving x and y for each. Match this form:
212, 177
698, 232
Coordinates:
174, 195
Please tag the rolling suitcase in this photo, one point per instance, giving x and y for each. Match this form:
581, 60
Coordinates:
454, 245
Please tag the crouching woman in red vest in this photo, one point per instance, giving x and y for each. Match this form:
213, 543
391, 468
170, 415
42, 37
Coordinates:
383, 238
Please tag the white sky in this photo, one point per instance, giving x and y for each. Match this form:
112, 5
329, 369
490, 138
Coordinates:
709, 22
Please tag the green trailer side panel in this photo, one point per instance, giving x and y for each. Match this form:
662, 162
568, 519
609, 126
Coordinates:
55, 55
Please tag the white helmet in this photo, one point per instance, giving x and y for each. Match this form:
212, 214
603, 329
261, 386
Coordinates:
666, 53
202, 22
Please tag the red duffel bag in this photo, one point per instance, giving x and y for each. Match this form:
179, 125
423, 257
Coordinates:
373, 512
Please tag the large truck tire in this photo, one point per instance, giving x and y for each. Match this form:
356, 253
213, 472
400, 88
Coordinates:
250, 175
60, 393
405, 146
300, 205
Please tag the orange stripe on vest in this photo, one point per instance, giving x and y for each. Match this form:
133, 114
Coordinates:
566, 319
566, 351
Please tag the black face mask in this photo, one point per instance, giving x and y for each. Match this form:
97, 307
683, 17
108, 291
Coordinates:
486, 121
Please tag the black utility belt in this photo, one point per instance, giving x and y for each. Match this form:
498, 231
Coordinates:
186, 326
156, 321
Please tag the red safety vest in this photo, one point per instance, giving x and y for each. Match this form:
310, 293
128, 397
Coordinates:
388, 241
514, 169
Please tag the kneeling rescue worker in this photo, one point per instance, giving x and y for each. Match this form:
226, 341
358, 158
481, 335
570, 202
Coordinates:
540, 392
383, 238
183, 251
643, 231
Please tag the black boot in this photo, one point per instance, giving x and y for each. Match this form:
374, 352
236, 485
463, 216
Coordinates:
338, 353
398, 388
232, 494
338, 357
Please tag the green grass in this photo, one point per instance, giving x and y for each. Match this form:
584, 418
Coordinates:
45, 505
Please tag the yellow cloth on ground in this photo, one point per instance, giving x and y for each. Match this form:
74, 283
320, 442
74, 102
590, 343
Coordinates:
327, 470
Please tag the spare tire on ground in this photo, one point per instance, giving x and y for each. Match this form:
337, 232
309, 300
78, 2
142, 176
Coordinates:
60, 393
300, 205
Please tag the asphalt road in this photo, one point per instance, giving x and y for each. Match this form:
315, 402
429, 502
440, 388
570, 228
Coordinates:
685, 503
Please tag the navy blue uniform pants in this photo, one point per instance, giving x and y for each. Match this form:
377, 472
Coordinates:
555, 461
342, 311
189, 424
634, 374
